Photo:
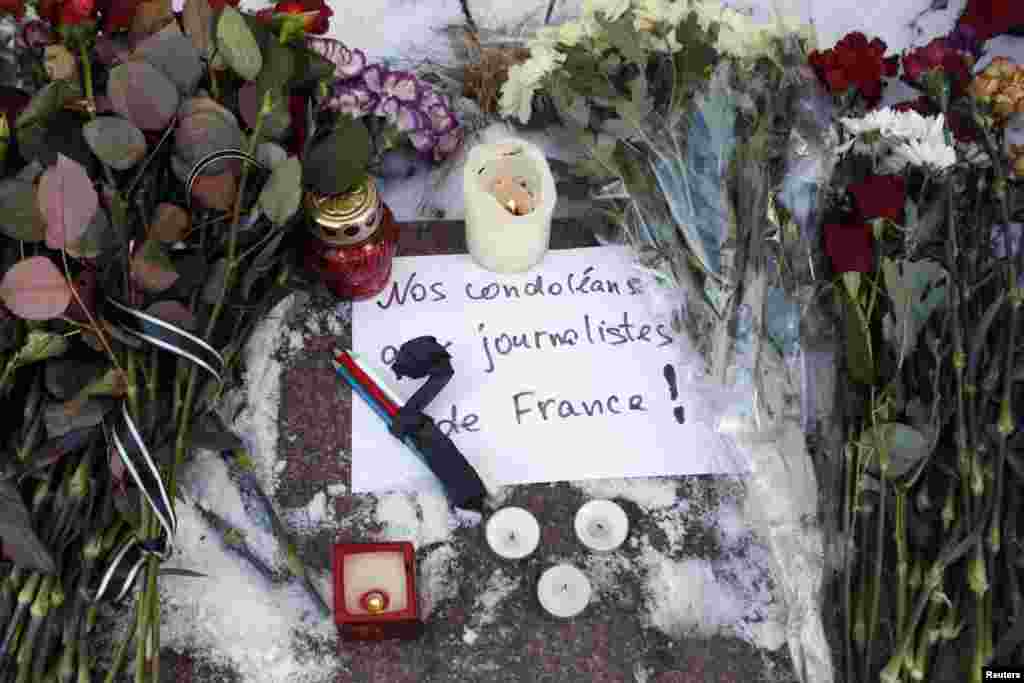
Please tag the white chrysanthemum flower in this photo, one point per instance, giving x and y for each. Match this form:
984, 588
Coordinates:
611, 9
524, 80
931, 153
874, 121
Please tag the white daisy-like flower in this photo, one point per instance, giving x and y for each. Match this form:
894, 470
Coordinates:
873, 121
525, 79
931, 153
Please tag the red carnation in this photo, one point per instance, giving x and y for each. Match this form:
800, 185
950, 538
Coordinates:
939, 55
15, 7
992, 17
849, 248
855, 61
880, 196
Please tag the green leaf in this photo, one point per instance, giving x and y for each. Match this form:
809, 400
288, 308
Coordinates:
917, 289
48, 101
585, 74
695, 58
152, 268
282, 194
116, 141
900, 445
310, 68
20, 218
19, 538
278, 67
41, 345
859, 361
624, 37
238, 44
338, 162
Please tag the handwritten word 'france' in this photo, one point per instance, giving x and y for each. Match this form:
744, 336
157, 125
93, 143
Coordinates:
412, 291
592, 332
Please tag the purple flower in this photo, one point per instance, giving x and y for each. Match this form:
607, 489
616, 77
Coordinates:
334, 51
402, 85
431, 99
409, 119
441, 119
373, 77
388, 107
354, 100
965, 39
447, 144
422, 140
351, 64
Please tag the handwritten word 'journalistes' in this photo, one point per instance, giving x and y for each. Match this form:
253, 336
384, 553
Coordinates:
412, 291
591, 332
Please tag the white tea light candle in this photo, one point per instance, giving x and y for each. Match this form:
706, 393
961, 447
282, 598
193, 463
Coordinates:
563, 591
513, 533
510, 198
602, 525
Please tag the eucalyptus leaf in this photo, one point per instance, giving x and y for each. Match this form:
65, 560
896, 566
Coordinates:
278, 67
282, 194
238, 44
142, 94
20, 218
152, 268
338, 162
917, 289
175, 55
34, 289
116, 141
904, 446
94, 241
19, 538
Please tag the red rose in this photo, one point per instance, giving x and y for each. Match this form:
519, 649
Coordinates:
857, 62
15, 7
119, 14
316, 14
992, 17
849, 248
74, 12
880, 196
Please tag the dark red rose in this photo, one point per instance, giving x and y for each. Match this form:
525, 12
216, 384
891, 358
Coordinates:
119, 14
15, 7
992, 17
74, 12
855, 62
849, 248
880, 196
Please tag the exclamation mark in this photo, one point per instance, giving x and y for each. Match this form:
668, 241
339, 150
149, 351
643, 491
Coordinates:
673, 392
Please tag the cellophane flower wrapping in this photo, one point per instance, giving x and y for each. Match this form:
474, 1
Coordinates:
718, 196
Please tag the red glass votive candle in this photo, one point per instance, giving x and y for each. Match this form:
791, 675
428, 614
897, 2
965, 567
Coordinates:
375, 591
353, 239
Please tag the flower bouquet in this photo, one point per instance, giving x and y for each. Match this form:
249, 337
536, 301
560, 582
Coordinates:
152, 168
705, 134
922, 236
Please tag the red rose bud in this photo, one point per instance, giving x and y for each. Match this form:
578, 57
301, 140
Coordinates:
849, 247
74, 12
316, 15
880, 196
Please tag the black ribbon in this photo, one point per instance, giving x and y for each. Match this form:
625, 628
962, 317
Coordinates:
121, 432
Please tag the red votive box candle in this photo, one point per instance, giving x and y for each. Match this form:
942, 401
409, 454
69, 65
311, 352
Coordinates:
375, 591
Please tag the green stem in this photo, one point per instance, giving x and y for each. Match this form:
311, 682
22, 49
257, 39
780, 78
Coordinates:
899, 534
87, 77
849, 536
876, 585
122, 651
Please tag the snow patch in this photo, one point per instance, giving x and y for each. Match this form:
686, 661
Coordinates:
650, 494
436, 582
237, 618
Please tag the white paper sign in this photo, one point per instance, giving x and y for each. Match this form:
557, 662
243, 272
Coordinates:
559, 374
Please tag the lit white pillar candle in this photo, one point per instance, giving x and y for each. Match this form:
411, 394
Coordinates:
510, 198
563, 591
513, 533
375, 579
602, 525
